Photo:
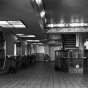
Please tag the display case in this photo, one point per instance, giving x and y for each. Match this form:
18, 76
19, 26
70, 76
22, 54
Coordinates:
61, 60
75, 61
69, 61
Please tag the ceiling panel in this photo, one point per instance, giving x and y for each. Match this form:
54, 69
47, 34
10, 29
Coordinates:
66, 10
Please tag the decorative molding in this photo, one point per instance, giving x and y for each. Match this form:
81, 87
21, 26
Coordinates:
54, 36
66, 30
52, 50
55, 42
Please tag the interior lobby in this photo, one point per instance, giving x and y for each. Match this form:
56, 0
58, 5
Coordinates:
43, 43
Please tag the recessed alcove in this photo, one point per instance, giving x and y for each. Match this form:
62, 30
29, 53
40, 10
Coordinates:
2, 50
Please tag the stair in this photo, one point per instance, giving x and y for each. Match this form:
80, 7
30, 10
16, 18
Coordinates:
70, 40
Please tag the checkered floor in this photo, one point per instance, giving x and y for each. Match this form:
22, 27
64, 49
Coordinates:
43, 75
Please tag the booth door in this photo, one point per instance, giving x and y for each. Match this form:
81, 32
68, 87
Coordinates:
75, 61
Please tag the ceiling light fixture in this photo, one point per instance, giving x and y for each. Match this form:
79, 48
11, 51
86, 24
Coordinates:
56, 25
67, 25
60, 25
45, 20
38, 1
50, 25
77, 24
5, 24
23, 35
42, 13
31, 35
33, 40
19, 34
12, 24
37, 43
17, 24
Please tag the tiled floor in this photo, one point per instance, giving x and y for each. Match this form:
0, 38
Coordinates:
43, 75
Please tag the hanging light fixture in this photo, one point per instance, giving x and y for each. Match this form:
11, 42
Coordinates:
38, 1
42, 13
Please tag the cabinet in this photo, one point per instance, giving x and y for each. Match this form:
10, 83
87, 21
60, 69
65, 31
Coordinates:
75, 61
